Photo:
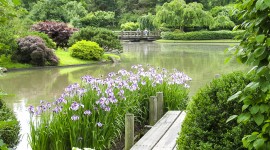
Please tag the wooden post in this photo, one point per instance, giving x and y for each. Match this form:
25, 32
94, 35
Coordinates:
129, 131
152, 110
122, 34
160, 104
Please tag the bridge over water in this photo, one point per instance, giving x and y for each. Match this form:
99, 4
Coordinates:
138, 35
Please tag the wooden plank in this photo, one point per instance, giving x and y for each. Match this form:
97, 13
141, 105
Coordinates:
168, 141
150, 139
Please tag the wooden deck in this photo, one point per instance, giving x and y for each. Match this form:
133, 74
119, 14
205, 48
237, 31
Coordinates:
138, 35
163, 135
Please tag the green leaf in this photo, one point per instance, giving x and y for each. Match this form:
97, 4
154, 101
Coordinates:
231, 118
258, 143
254, 109
16, 2
259, 51
252, 138
243, 117
268, 41
264, 108
252, 85
267, 2
236, 95
227, 60
247, 100
253, 69
259, 4
264, 128
235, 28
258, 118
262, 70
260, 38
245, 141
244, 107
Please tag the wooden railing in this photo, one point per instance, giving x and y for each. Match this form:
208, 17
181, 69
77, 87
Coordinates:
126, 35
164, 128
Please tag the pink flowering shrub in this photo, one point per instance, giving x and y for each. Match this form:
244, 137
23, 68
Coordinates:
92, 114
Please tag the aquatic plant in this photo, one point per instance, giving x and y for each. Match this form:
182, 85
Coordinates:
91, 114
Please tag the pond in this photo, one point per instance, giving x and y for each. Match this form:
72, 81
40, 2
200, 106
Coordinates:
201, 61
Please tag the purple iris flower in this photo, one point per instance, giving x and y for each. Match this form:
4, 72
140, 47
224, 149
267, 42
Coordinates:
61, 100
57, 109
75, 117
75, 106
143, 83
99, 124
107, 108
87, 112
31, 109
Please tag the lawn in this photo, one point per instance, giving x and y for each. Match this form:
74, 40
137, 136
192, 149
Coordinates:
7, 63
66, 59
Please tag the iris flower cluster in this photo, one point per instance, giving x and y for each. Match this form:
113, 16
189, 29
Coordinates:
110, 89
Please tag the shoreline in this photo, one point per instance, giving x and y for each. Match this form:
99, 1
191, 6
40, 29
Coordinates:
48, 67
197, 41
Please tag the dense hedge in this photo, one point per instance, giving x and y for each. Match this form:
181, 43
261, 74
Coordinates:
86, 50
205, 127
200, 35
9, 126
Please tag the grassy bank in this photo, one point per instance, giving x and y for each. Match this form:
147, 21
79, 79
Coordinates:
65, 59
7, 63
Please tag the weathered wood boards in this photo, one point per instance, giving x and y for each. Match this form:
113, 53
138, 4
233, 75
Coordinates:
163, 134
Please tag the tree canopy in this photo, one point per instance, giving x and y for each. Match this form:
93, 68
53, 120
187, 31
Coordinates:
178, 14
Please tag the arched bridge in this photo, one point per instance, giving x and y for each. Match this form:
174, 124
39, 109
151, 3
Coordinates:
138, 35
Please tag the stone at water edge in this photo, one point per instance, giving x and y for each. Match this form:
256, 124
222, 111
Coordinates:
2, 69
114, 59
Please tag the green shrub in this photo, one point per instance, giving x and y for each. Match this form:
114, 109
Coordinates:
98, 19
200, 35
10, 31
32, 50
86, 50
130, 26
104, 37
9, 126
7, 40
205, 127
128, 17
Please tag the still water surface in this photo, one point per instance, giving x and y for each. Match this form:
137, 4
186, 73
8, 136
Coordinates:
200, 61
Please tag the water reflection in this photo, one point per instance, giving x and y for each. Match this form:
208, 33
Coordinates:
200, 61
